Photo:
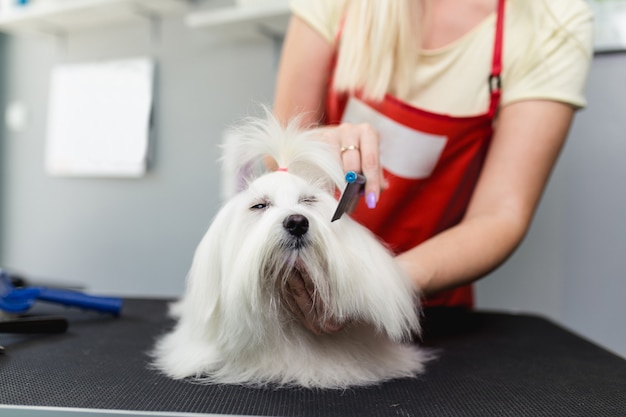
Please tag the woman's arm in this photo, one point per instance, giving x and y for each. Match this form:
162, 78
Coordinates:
302, 74
526, 144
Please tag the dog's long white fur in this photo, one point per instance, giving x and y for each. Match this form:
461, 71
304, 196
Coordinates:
233, 325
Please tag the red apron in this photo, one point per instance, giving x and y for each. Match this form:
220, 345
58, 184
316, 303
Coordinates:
416, 207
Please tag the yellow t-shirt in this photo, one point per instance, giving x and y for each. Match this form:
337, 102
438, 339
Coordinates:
537, 62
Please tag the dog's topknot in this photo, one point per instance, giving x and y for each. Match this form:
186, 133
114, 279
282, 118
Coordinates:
260, 145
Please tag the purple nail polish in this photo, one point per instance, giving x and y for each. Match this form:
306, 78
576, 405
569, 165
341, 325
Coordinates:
370, 200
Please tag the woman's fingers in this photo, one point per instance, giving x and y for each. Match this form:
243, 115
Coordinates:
324, 322
302, 300
358, 146
348, 137
370, 163
301, 304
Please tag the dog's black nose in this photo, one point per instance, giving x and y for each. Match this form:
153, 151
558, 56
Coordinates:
296, 224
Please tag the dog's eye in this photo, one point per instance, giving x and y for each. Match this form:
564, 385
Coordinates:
308, 200
259, 206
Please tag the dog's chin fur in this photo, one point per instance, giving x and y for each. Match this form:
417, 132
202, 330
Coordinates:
233, 325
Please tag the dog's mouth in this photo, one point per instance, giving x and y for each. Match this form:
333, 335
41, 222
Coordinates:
295, 243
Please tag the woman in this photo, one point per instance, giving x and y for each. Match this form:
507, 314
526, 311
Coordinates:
455, 111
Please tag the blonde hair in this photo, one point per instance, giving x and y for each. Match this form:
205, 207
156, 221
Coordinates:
379, 47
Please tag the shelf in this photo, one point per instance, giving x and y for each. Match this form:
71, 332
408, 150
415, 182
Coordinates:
78, 15
243, 21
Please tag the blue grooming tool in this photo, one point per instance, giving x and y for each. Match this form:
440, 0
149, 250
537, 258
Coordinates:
18, 300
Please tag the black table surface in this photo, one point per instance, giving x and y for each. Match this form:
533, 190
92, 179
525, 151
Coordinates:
489, 364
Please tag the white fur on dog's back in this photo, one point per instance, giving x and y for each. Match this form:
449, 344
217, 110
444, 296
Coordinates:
233, 326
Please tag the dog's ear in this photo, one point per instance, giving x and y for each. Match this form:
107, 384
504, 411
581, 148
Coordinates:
204, 279
241, 161
248, 151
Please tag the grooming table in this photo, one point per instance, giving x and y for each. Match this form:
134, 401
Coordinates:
489, 364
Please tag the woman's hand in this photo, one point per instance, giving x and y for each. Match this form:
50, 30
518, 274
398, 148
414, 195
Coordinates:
300, 298
358, 147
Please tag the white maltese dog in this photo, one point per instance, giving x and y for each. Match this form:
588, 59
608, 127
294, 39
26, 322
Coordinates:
234, 323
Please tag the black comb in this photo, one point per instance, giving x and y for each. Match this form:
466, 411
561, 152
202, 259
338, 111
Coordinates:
347, 202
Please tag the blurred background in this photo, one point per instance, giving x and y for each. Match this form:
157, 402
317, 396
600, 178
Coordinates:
95, 225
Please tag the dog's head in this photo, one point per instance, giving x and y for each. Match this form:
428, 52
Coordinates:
280, 185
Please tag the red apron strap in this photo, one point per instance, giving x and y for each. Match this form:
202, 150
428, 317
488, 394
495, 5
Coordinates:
495, 81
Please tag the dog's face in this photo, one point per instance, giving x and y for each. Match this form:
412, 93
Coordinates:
288, 208
278, 227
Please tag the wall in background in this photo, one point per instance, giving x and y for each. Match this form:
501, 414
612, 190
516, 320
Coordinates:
123, 235
136, 237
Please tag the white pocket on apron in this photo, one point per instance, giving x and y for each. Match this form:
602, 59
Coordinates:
404, 152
